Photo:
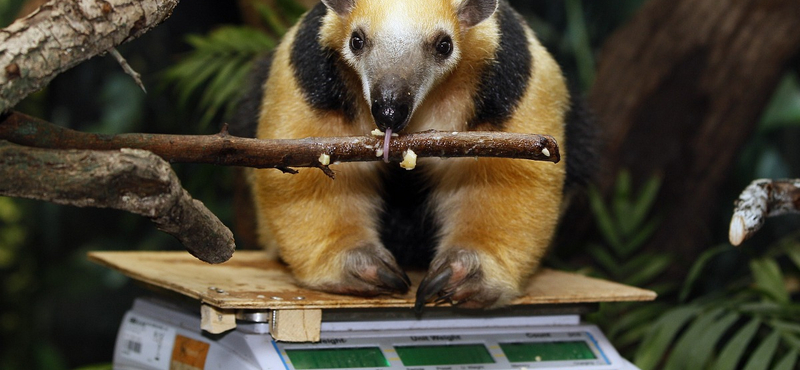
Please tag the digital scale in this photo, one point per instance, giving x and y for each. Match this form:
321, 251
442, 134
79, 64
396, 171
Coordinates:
251, 315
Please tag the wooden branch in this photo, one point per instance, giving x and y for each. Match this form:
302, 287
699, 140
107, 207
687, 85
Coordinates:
224, 149
761, 199
137, 78
64, 33
129, 179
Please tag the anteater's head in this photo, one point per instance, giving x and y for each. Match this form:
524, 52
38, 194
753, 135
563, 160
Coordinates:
401, 49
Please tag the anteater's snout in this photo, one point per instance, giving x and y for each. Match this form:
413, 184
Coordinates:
390, 114
392, 102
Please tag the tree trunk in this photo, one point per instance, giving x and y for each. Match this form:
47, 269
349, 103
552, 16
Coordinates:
679, 90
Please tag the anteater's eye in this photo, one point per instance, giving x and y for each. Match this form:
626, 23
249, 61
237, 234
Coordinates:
356, 42
444, 46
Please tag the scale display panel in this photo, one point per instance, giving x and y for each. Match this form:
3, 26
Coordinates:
337, 358
444, 355
547, 351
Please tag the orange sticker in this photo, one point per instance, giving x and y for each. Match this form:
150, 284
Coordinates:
188, 354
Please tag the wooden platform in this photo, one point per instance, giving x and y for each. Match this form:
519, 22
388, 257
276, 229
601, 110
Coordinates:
251, 281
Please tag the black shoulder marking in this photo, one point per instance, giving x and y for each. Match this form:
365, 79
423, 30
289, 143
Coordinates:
503, 82
244, 122
318, 69
581, 141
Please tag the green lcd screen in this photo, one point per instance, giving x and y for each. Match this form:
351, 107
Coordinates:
336, 358
547, 351
444, 355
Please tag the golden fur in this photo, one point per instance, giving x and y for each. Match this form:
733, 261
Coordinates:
504, 211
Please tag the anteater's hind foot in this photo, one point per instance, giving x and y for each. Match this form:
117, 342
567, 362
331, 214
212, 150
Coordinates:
459, 276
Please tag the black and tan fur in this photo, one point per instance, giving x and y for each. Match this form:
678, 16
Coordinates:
482, 226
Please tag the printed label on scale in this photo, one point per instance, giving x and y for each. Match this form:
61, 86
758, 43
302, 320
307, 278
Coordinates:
147, 342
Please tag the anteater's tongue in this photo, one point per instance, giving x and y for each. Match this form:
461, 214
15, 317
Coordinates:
386, 144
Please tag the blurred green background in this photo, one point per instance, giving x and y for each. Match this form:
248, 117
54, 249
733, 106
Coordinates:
735, 308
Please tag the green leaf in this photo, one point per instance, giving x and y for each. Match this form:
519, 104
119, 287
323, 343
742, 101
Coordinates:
702, 351
217, 83
271, 18
579, 39
292, 9
631, 338
791, 340
732, 352
195, 74
198, 41
640, 317
621, 202
96, 367
636, 242
787, 362
769, 279
771, 308
661, 335
697, 268
793, 251
9, 211
764, 353
238, 40
630, 266
783, 109
681, 354
603, 218
647, 197
657, 264
644, 313
632, 212
603, 258
786, 326
231, 92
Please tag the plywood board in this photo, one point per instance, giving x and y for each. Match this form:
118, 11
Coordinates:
250, 280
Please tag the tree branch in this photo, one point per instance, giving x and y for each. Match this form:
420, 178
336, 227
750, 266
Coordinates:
129, 179
224, 149
64, 33
761, 199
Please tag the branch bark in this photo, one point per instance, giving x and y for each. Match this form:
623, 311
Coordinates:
761, 199
64, 33
132, 180
224, 149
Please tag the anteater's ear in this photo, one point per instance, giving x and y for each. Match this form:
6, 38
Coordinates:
341, 7
472, 12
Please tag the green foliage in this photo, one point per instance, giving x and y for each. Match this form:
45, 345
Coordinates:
211, 76
773, 150
625, 224
625, 227
96, 367
578, 37
15, 274
12, 232
748, 320
784, 107
752, 324
216, 69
